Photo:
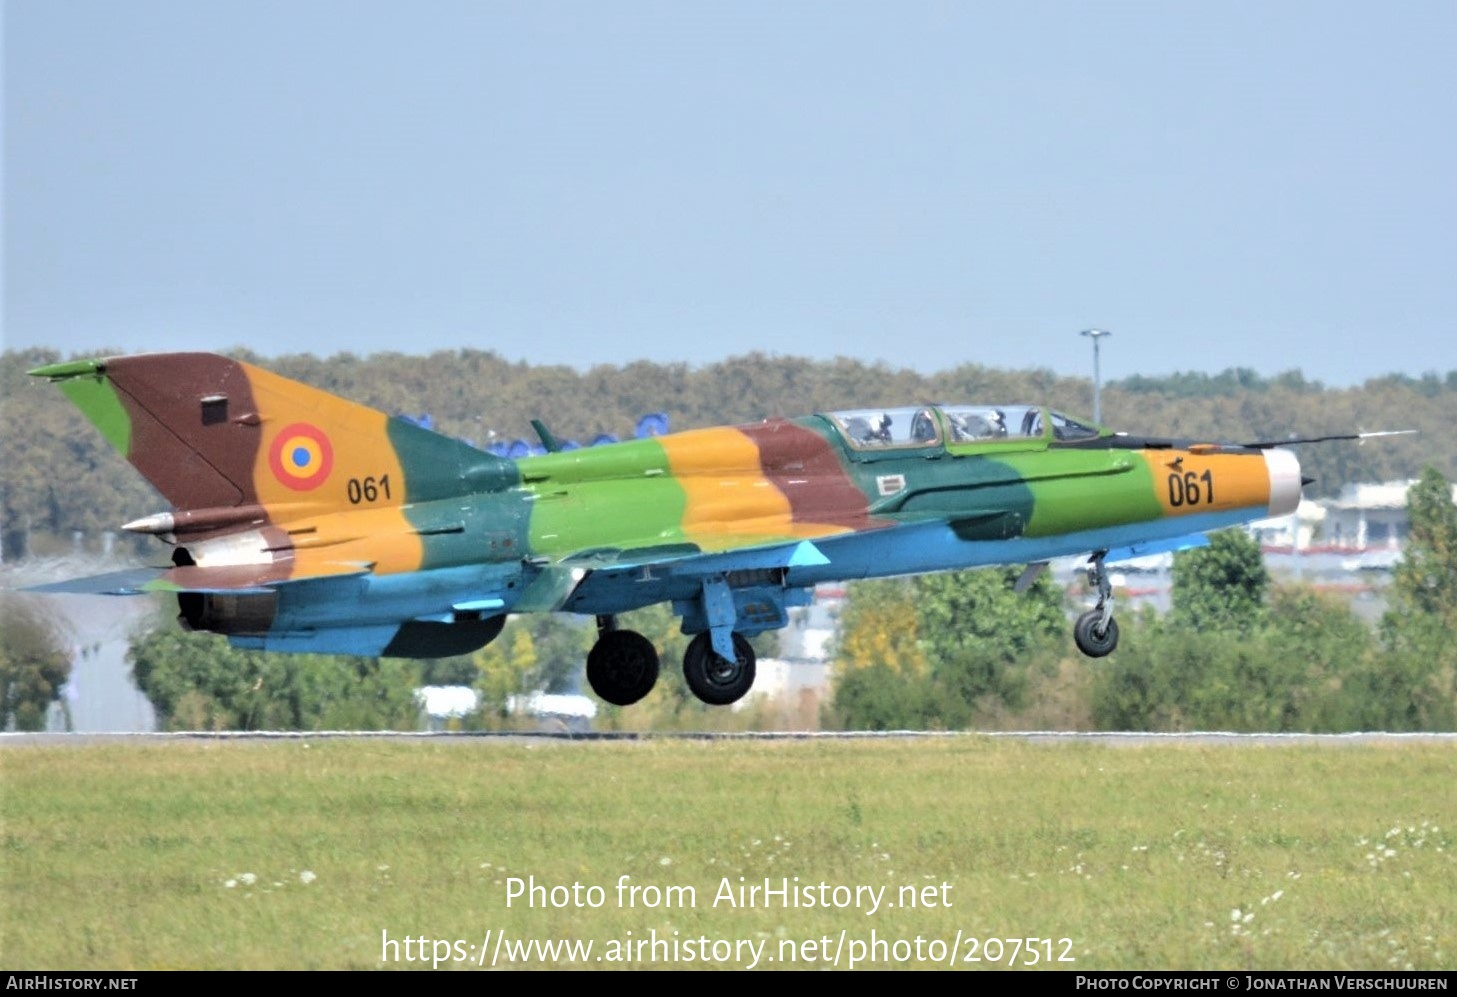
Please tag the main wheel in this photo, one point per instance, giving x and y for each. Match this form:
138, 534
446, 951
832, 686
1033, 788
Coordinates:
1087, 638
714, 679
622, 667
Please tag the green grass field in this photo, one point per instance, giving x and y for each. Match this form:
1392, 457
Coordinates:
321, 853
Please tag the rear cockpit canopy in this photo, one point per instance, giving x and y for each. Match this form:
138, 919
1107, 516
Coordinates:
937, 425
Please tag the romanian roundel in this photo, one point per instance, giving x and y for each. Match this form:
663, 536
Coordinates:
301, 457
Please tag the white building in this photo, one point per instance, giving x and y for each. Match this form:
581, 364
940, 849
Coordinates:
1368, 516
1297, 531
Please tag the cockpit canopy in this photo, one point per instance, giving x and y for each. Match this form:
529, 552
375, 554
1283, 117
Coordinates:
934, 425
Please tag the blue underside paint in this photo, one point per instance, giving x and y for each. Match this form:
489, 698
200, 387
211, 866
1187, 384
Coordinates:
361, 615
905, 550
1145, 548
717, 605
934, 547
756, 608
367, 642
380, 599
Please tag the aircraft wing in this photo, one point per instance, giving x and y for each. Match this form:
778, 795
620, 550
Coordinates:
688, 559
581, 575
131, 581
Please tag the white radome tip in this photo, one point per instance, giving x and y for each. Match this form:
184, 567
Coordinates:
1284, 471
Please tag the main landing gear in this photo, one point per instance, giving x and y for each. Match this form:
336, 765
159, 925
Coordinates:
622, 667
1096, 632
713, 678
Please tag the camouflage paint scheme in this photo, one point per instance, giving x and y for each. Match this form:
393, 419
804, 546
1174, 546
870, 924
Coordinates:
302, 521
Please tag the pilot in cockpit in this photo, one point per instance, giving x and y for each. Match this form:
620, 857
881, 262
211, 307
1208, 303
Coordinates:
879, 429
984, 424
923, 427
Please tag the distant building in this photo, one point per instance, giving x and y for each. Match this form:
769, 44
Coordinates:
1299, 530
776, 678
555, 712
798, 679
441, 704
1364, 516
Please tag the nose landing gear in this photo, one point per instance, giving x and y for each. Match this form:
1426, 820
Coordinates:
1096, 632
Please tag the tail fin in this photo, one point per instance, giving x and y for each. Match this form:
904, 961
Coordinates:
223, 440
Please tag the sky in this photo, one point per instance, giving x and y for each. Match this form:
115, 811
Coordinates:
924, 184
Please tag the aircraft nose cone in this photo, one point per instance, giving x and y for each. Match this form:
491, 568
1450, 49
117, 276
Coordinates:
1285, 481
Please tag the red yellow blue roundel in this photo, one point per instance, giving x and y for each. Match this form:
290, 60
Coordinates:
301, 457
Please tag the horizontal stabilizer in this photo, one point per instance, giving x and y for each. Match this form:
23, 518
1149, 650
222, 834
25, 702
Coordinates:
239, 579
246, 579
231, 579
131, 581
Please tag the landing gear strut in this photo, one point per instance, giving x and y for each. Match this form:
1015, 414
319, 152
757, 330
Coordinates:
623, 665
1096, 632
713, 678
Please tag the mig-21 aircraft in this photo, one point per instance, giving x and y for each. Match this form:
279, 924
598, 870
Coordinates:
304, 522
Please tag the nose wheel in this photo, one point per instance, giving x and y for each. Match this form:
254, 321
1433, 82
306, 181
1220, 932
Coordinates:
1096, 632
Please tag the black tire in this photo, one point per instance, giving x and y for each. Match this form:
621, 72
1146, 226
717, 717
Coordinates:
622, 667
713, 679
1085, 634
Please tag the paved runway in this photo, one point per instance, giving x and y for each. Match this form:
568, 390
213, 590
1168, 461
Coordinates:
1112, 739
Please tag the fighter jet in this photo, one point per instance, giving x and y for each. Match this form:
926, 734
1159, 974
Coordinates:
301, 521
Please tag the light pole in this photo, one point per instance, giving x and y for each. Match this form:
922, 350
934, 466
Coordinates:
1095, 335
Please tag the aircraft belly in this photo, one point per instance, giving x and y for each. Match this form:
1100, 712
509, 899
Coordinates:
394, 599
364, 641
924, 547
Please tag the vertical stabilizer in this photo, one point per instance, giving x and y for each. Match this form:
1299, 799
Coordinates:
214, 434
